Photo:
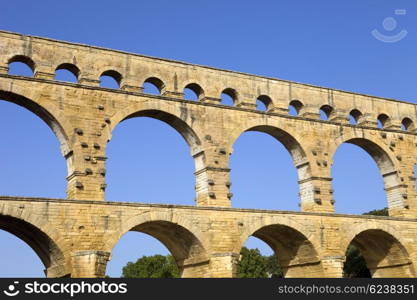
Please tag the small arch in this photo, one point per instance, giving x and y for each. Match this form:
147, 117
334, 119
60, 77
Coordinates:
193, 92
354, 116
294, 108
385, 256
407, 124
325, 112
67, 72
263, 103
228, 97
110, 79
21, 65
154, 86
382, 121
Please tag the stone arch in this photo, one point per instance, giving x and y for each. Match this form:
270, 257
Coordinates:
327, 110
384, 120
384, 251
232, 93
196, 88
117, 76
285, 137
23, 59
385, 162
42, 237
407, 124
69, 67
158, 83
266, 100
295, 249
179, 119
178, 234
297, 105
291, 142
28, 100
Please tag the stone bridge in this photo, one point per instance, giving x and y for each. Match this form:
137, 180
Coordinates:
75, 236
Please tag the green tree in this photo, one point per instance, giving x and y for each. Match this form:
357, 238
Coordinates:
272, 267
252, 264
156, 266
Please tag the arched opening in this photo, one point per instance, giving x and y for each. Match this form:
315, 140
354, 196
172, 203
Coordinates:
382, 121
159, 238
258, 260
21, 65
325, 112
13, 255
110, 79
193, 92
355, 117
153, 86
266, 178
150, 162
263, 103
228, 97
67, 72
383, 254
407, 124
29, 155
357, 181
294, 108
295, 254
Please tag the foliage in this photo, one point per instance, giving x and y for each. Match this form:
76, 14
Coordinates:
355, 265
378, 212
156, 266
272, 267
254, 265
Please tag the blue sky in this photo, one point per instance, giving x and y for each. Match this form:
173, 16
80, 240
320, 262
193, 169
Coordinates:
327, 43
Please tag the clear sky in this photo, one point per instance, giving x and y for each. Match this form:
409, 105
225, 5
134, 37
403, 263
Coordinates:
326, 43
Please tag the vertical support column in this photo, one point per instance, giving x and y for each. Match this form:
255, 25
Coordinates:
310, 111
339, 116
56, 271
87, 79
130, 85
333, 266
368, 120
86, 161
44, 72
89, 263
224, 265
4, 68
316, 192
212, 178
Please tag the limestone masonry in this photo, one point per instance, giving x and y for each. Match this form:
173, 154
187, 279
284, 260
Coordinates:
74, 237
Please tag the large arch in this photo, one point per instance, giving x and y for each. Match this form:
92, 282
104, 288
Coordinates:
57, 124
178, 235
384, 252
179, 119
297, 253
292, 145
386, 164
45, 241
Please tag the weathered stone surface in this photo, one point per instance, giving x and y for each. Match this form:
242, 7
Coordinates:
75, 237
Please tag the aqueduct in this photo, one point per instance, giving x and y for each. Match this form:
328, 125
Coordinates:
74, 237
